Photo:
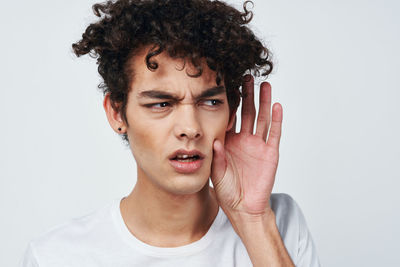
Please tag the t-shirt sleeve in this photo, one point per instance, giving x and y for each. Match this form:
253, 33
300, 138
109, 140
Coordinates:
307, 254
29, 258
294, 231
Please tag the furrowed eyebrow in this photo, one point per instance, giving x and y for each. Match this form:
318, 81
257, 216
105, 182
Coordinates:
157, 94
213, 91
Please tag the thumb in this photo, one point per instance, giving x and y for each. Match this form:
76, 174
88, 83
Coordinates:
218, 165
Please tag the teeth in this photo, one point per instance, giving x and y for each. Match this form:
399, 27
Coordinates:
187, 160
183, 156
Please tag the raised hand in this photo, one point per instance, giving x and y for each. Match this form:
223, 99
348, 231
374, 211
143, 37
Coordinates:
243, 169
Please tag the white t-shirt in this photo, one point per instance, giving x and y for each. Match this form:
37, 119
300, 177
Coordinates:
101, 238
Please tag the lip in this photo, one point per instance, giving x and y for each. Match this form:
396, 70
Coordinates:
186, 152
186, 167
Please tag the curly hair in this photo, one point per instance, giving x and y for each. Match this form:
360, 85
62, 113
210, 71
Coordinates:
187, 29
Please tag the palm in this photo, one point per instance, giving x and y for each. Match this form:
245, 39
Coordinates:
244, 183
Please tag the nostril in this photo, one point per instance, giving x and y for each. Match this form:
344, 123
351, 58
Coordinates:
196, 135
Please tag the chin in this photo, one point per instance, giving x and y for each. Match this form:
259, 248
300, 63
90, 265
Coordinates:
187, 185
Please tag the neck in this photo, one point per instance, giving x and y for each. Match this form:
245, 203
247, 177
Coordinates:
161, 219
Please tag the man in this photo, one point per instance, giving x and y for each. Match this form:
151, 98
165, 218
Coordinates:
172, 71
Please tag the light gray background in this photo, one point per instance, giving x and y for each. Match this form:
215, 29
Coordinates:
336, 75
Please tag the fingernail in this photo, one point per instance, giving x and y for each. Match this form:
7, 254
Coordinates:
265, 83
248, 78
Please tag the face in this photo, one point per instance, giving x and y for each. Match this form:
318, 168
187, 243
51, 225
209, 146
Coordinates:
168, 111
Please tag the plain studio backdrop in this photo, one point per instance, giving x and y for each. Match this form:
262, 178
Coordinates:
336, 75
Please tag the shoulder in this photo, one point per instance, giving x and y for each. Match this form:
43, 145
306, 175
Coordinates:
69, 237
280, 200
285, 208
289, 217
75, 228
294, 230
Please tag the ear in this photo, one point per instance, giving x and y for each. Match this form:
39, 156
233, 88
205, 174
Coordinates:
232, 121
114, 117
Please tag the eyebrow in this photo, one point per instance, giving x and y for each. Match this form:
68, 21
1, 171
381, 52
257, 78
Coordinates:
157, 94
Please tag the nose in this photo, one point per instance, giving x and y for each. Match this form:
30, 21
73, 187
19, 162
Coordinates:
187, 124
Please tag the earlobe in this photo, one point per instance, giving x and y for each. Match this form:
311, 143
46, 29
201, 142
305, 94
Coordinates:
113, 117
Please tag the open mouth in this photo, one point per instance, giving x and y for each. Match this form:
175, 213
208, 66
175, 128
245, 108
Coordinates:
184, 161
186, 158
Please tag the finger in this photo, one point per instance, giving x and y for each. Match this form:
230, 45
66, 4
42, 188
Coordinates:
248, 108
264, 113
276, 126
218, 165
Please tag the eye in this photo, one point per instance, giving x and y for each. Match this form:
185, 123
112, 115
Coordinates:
213, 102
162, 105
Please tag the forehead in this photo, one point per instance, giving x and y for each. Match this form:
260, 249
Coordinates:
170, 73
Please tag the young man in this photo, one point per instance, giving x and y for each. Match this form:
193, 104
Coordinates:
172, 71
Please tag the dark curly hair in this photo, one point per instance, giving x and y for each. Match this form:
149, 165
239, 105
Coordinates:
187, 29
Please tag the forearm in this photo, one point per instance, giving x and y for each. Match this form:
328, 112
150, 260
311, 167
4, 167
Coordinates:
262, 240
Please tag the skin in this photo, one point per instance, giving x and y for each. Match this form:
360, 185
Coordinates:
243, 175
183, 202
242, 165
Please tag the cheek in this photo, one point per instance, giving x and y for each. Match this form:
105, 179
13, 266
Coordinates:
220, 134
216, 125
146, 139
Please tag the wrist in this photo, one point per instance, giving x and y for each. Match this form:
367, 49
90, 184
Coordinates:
260, 235
246, 224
